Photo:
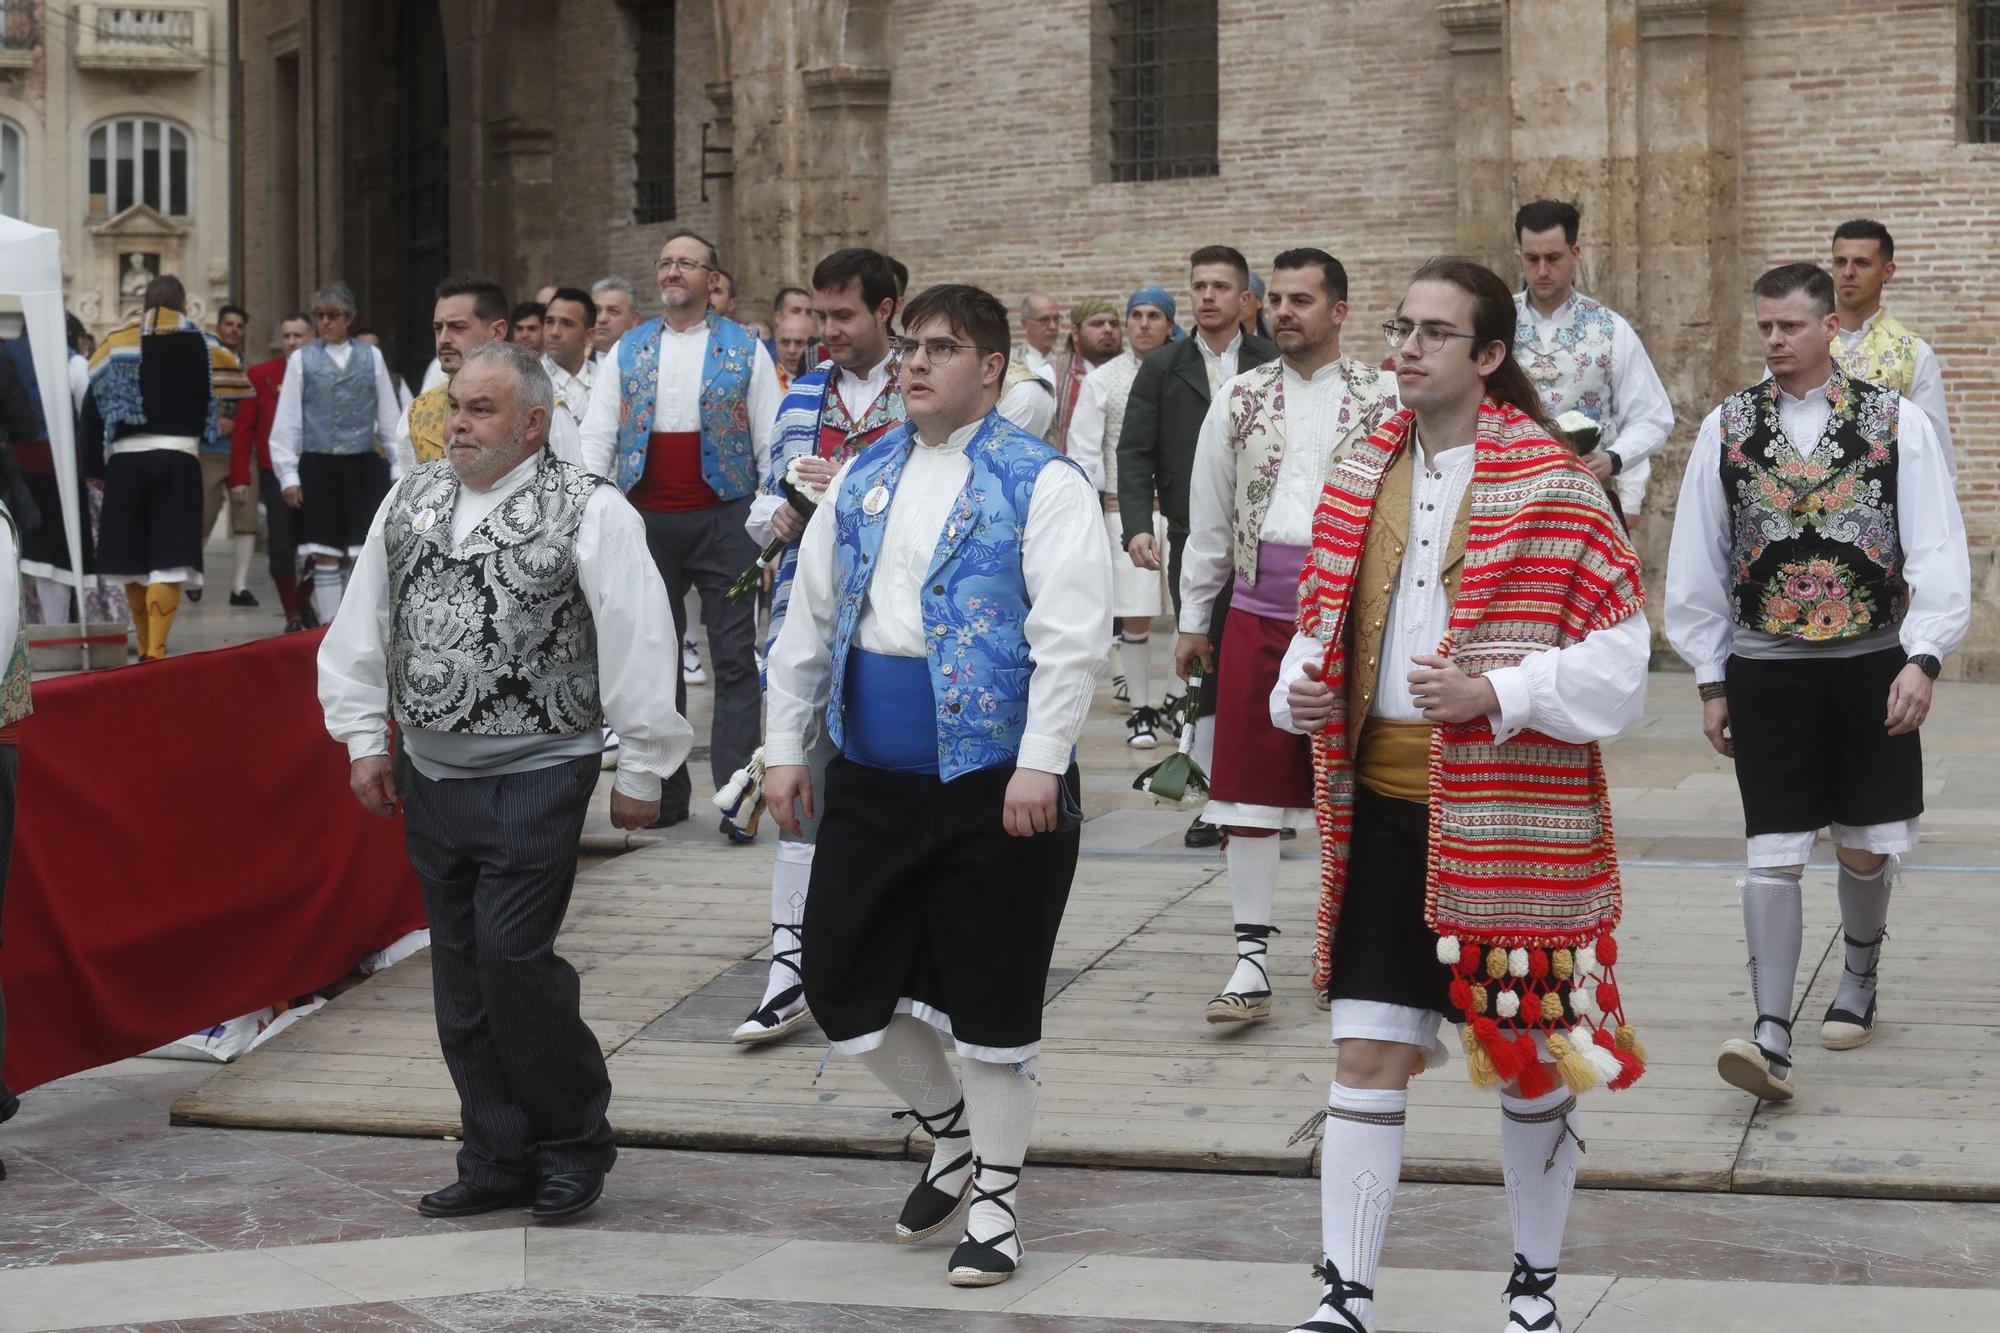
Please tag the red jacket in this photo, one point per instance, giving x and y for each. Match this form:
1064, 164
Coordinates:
254, 416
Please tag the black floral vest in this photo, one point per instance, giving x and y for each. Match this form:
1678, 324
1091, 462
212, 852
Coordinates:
494, 638
1814, 551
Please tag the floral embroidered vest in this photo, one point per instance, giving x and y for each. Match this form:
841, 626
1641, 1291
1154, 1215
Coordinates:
1886, 355
14, 675
1257, 438
728, 458
1118, 373
1814, 551
428, 415
975, 599
1572, 368
337, 413
493, 637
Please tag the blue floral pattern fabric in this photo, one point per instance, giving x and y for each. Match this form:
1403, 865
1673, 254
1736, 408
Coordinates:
975, 598
728, 454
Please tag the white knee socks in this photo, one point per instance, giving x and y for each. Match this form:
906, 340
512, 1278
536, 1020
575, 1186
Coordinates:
1361, 1160
1538, 1152
1773, 922
1132, 656
326, 591
245, 546
1864, 916
912, 1064
1253, 882
791, 876
1001, 1099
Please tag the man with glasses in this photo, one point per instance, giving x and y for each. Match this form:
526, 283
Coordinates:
949, 615
333, 443
682, 421
1265, 447
831, 412
1041, 329
1467, 863
1584, 357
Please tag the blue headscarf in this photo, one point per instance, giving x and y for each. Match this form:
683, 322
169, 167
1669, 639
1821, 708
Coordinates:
1156, 296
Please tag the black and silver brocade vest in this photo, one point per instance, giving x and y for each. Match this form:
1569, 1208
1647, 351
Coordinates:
494, 638
1814, 549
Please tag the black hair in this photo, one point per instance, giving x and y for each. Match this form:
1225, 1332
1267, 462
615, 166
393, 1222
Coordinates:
166, 293
869, 268
1222, 254
1867, 229
971, 313
578, 295
1331, 273
489, 299
1493, 321
1543, 214
527, 310
1786, 279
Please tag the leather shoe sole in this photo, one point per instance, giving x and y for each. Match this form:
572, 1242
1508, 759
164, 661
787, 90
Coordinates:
565, 1196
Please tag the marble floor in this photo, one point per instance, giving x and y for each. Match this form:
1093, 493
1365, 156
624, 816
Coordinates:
112, 1219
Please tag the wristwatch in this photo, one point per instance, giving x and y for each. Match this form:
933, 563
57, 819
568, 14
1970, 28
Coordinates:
1617, 461
1929, 665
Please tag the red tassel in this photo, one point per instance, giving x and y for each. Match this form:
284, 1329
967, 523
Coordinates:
1604, 1039
1461, 996
1607, 951
1607, 997
1533, 1080
1629, 1069
1471, 958
1538, 963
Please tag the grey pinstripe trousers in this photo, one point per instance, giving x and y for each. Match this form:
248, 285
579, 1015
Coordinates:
497, 858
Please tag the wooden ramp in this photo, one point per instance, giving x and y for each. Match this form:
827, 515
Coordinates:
669, 943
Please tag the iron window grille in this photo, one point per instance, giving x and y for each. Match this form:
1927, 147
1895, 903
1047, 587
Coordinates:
1163, 89
653, 112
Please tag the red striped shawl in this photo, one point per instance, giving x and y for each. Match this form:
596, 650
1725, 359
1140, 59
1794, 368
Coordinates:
1521, 852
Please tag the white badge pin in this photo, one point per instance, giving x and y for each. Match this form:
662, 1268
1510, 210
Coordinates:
876, 500
425, 517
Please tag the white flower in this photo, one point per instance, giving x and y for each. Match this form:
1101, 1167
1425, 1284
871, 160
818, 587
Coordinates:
1573, 422
792, 478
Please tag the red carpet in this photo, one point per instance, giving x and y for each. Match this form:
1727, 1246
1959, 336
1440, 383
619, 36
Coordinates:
186, 850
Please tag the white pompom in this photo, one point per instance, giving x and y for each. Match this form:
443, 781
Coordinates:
1584, 1001
1517, 962
1603, 1061
1448, 950
1509, 1004
1586, 961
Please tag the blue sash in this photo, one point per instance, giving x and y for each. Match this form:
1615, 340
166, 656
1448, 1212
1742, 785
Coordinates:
891, 720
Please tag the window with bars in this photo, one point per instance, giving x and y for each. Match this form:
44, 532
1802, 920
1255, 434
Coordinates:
139, 159
1162, 79
653, 111
1983, 125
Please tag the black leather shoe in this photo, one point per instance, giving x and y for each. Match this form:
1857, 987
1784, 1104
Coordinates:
1201, 834
462, 1198
194, 594
566, 1195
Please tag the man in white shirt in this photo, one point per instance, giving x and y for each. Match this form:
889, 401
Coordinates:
1137, 594
617, 312
501, 612
567, 318
333, 444
1457, 676
681, 420
949, 614
1041, 329
1584, 357
1816, 581
1265, 447
1872, 345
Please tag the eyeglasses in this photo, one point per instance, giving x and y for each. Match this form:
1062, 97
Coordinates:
334, 313
1430, 337
680, 266
938, 351
1042, 319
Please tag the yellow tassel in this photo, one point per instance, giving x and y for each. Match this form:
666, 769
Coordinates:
1561, 963
1479, 999
1578, 1073
1496, 963
1552, 1007
1478, 1064
1628, 1040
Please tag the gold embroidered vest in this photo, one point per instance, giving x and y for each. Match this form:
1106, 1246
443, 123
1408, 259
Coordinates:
1885, 356
428, 418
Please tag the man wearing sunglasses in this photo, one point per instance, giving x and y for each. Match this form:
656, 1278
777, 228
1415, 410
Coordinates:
950, 611
1265, 446
682, 422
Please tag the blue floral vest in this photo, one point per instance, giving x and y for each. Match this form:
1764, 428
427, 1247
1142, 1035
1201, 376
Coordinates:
728, 458
975, 600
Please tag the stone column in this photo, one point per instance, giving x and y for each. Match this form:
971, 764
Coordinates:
1481, 112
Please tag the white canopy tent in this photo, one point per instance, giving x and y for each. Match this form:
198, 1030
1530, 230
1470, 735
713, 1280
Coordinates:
31, 269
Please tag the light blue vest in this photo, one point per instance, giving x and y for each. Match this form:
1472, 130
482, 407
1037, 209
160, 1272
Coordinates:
337, 413
728, 457
975, 599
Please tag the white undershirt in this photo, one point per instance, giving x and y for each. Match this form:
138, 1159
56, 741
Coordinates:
1065, 563
1926, 386
287, 438
1640, 414
638, 653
